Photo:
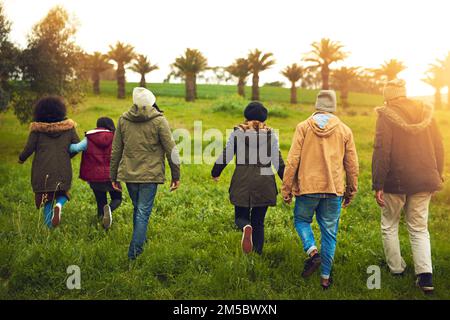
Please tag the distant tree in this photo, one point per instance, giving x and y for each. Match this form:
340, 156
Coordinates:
445, 65
241, 70
258, 62
311, 79
293, 73
276, 84
122, 54
367, 82
323, 54
142, 65
220, 75
188, 66
343, 78
97, 63
51, 64
435, 77
389, 70
170, 75
8, 59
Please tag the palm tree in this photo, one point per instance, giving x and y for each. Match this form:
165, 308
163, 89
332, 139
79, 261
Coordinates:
258, 62
189, 66
390, 69
311, 79
293, 73
343, 78
122, 54
323, 54
143, 66
241, 70
97, 63
436, 79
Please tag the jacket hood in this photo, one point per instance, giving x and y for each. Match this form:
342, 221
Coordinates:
408, 115
261, 135
141, 114
101, 137
54, 129
323, 127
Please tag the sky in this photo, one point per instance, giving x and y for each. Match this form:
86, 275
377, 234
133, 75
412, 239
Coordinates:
413, 31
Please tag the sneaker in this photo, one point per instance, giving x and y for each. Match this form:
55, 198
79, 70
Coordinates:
247, 241
425, 282
326, 285
311, 265
107, 217
399, 274
56, 217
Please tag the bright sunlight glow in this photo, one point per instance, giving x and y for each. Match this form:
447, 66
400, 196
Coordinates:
413, 31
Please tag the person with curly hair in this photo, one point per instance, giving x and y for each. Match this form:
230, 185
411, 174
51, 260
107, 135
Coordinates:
51, 134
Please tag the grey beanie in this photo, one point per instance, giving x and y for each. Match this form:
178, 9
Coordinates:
326, 101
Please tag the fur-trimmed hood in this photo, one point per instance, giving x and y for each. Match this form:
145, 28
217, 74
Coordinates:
54, 128
255, 134
253, 125
408, 115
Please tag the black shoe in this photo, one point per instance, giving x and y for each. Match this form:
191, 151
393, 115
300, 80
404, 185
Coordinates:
425, 282
311, 265
326, 287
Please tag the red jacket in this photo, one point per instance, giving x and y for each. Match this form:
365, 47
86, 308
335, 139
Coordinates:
95, 160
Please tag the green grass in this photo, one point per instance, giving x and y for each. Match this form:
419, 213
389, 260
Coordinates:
193, 250
212, 91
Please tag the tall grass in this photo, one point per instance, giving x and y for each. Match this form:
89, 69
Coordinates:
193, 247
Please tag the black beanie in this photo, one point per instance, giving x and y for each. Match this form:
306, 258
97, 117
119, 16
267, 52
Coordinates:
255, 111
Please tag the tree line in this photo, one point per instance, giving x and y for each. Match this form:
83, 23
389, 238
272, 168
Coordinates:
53, 64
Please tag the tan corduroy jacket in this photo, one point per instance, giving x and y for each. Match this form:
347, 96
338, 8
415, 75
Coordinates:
322, 160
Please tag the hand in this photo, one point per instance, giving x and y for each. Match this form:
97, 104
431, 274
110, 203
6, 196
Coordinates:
346, 202
288, 199
379, 196
116, 186
216, 179
174, 185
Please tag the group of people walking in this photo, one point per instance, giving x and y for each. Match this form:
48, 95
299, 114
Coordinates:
321, 171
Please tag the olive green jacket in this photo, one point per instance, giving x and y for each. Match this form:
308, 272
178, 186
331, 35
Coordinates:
51, 170
141, 143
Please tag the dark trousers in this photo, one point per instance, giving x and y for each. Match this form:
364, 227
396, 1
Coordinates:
102, 200
254, 217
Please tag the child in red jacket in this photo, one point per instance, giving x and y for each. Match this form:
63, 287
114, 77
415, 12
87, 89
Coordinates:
94, 168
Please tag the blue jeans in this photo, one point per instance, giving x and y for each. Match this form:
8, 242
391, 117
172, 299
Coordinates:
328, 211
48, 209
142, 195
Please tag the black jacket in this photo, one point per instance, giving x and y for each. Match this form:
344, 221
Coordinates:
253, 183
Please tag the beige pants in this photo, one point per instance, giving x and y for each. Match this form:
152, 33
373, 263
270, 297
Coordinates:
416, 216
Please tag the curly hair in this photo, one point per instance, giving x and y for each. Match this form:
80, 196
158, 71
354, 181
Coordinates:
50, 109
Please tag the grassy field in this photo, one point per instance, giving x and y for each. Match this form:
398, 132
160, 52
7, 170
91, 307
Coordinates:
193, 250
211, 91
